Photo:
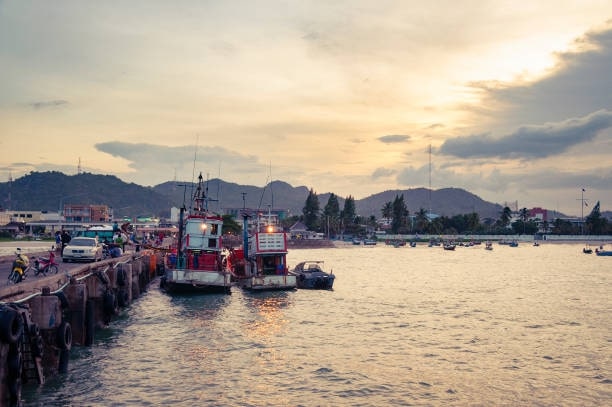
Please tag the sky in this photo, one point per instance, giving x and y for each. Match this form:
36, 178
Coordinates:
511, 101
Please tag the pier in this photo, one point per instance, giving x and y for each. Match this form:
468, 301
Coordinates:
42, 318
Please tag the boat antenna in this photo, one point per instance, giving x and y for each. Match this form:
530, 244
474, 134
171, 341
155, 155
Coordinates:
268, 183
195, 155
218, 188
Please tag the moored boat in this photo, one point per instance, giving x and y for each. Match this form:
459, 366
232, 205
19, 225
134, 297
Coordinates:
601, 252
195, 263
310, 275
261, 265
449, 246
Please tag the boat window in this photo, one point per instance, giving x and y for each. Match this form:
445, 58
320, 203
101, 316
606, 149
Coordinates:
214, 228
212, 243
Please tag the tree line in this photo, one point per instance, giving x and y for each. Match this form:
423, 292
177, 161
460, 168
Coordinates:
334, 221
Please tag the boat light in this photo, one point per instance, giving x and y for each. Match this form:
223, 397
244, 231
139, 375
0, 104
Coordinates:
203, 226
270, 229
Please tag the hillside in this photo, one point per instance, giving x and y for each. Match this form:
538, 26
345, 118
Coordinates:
48, 191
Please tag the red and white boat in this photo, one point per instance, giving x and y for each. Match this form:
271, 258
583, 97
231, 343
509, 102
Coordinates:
261, 264
195, 264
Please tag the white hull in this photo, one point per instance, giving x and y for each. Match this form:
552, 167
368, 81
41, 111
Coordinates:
269, 282
197, 280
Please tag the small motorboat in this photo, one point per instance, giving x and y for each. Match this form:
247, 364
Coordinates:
601, 252
310, 275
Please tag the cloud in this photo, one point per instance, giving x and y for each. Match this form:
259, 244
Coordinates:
396, 138
579, 84
50, 103
163, 160
535, 141
383, 173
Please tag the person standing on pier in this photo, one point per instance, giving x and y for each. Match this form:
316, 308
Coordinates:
65, 238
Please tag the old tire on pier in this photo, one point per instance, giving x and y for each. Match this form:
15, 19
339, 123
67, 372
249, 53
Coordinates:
121, 277
90, 322
11, 325
64, 336
123, 298
111, 304
36, 341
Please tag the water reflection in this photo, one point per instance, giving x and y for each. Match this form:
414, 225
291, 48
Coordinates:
267, 311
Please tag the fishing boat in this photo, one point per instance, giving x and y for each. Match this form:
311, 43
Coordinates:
310, 275
195, 262
449, 246
261, 264
601, 252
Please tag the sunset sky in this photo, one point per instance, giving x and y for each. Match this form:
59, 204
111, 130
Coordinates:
515, 98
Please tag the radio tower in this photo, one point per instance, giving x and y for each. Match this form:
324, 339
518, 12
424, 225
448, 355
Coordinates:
430, 179
79, 167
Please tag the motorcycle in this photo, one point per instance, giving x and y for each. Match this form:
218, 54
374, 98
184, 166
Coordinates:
21, 267
46, 265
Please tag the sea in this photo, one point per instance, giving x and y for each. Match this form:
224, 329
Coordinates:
422, 326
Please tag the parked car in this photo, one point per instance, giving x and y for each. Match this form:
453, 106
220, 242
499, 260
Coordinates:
82, 249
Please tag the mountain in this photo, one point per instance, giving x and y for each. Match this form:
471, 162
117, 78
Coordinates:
444, 202
49, 191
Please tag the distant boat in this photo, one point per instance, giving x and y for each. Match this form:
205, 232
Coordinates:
513, 243
601, 252
587, 249
356, 242
370, 242
310, 275
449, 246
489, 246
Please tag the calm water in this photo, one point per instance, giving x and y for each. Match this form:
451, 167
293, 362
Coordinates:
404, 326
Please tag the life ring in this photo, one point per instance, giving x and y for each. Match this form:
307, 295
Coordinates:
64, 336
11, 326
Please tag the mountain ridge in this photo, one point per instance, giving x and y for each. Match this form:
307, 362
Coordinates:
49, 191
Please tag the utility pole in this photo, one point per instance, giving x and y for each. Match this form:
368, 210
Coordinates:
582, 205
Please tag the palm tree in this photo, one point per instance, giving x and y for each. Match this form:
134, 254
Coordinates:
505, 216
524, 214
422, 221
387, 210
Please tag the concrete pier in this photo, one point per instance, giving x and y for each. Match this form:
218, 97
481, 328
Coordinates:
42, 318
